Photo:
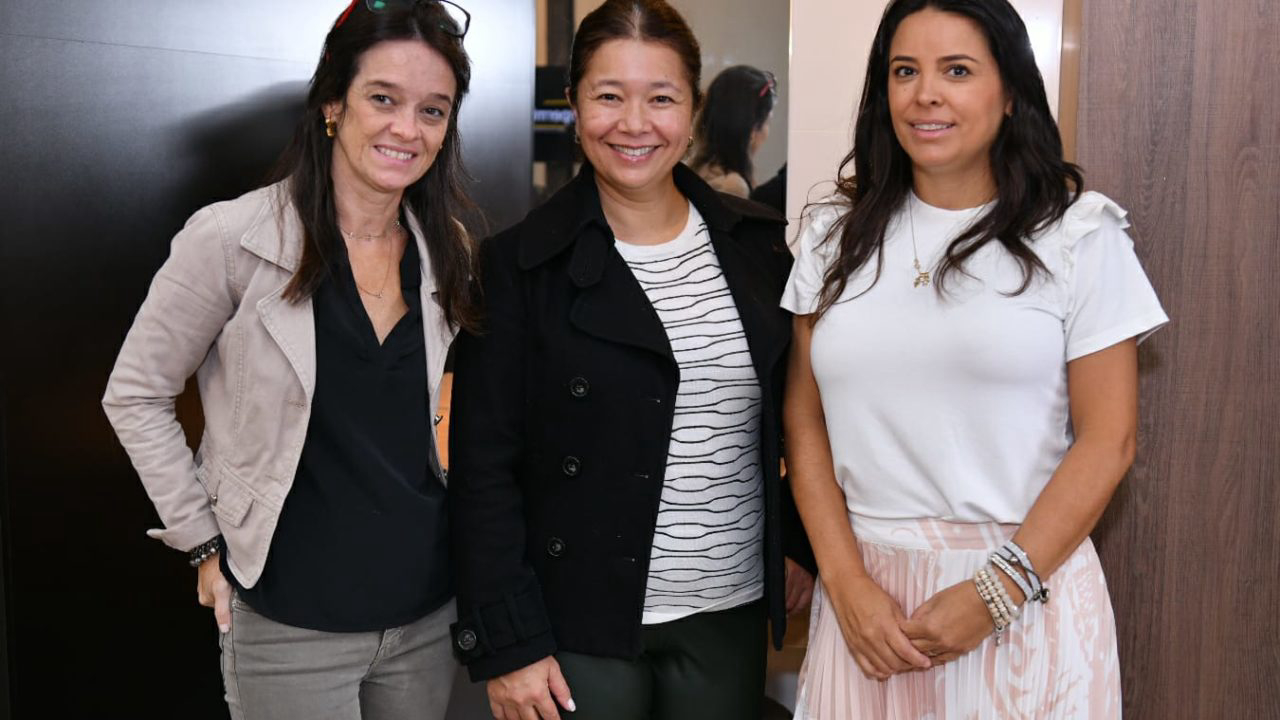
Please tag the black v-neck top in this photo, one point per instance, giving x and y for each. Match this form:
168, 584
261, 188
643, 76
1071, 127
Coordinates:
362, 539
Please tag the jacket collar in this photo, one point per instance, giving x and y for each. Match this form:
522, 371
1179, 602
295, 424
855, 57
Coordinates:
275, 234
575, 211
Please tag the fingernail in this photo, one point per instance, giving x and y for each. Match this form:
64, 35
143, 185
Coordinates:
571, 706
224, 628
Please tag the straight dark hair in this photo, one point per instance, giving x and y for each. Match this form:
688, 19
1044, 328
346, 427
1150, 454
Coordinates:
738, 103
1034, 184
438, 200
647, 20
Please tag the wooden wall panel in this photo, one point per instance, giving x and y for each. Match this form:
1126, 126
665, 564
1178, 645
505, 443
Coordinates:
1179, 121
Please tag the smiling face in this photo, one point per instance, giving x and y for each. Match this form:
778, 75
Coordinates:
394, 117
946, 98
634, 108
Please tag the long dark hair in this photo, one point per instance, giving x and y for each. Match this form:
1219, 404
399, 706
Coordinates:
1034, 184
647, 20
438, 200
739, 101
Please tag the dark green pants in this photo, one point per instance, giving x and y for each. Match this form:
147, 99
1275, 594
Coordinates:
708, 666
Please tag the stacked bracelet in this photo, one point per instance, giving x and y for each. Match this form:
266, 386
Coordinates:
204, 551
1003, 566
1013, 554
999, 604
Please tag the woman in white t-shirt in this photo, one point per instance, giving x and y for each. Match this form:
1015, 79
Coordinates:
962, 396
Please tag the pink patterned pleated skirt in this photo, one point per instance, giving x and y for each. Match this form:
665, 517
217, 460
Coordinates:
1057, 662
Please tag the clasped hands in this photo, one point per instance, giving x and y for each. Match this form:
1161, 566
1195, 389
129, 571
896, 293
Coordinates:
884, 641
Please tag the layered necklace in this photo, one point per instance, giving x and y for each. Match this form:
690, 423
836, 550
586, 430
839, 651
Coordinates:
386, 273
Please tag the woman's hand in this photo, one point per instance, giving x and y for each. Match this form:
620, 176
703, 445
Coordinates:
799, 587
214, 591
530, 693
951, 623
871, 623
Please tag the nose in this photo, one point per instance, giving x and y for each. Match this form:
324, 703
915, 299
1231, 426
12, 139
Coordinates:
928, 90
404, 123
634, 118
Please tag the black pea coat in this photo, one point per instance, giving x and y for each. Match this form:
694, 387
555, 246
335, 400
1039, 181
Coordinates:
561, 416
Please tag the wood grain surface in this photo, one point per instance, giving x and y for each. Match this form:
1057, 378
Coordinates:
1179, 121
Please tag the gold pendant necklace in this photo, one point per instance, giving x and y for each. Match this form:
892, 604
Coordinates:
922, 276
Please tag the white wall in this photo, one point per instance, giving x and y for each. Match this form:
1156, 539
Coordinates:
830, 43
739, 32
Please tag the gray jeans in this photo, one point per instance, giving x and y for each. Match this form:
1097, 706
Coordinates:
273, 671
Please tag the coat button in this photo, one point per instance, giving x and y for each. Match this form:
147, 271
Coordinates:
555, 547
579, 387
467, 640
213, 499
571, 466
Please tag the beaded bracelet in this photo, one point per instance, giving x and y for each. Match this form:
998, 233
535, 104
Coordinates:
205, 550
997, 618
999, 604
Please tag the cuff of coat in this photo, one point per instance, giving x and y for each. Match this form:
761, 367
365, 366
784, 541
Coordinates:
500, 637
795, 543
189, 533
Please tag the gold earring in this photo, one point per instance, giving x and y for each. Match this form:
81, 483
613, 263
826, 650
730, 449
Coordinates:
330, 127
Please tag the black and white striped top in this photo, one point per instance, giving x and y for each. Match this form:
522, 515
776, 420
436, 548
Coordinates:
708, 541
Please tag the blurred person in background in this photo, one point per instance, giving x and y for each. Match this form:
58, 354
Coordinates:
731, 126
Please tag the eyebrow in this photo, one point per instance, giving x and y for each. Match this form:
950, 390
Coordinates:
947, 59
653, 85
388, 85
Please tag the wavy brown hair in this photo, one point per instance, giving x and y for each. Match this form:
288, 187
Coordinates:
1034, 184
438, 199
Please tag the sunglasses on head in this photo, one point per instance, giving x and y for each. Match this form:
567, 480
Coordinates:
459, 20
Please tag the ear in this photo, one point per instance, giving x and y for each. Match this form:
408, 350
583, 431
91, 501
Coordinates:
333, 110
1008, 108
573, 107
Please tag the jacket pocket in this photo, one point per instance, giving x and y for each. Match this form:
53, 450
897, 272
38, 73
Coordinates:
230, 499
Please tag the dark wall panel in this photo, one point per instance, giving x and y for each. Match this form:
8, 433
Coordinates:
1177, 122
120, 119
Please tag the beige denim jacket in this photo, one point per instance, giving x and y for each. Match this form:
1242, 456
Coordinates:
215, 310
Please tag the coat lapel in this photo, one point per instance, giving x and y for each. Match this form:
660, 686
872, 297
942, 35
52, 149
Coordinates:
276, 236
611, 305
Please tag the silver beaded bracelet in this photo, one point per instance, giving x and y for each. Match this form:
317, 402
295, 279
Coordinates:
204, 551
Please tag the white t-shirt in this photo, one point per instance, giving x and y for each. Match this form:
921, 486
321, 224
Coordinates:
708, 541
956, 407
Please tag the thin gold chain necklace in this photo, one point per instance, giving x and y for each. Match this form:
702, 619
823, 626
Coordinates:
386, 273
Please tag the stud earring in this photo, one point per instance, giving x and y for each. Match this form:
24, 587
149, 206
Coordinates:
330, 127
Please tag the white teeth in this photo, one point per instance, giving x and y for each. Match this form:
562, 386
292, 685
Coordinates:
932, 126
394, 154
634, 152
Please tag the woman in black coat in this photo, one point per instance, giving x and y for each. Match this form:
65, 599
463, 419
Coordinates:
617, 509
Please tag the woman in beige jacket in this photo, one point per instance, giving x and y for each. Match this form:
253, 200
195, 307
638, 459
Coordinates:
316, 314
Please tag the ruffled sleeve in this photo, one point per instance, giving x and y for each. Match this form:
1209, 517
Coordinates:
813, 257
1109, 298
